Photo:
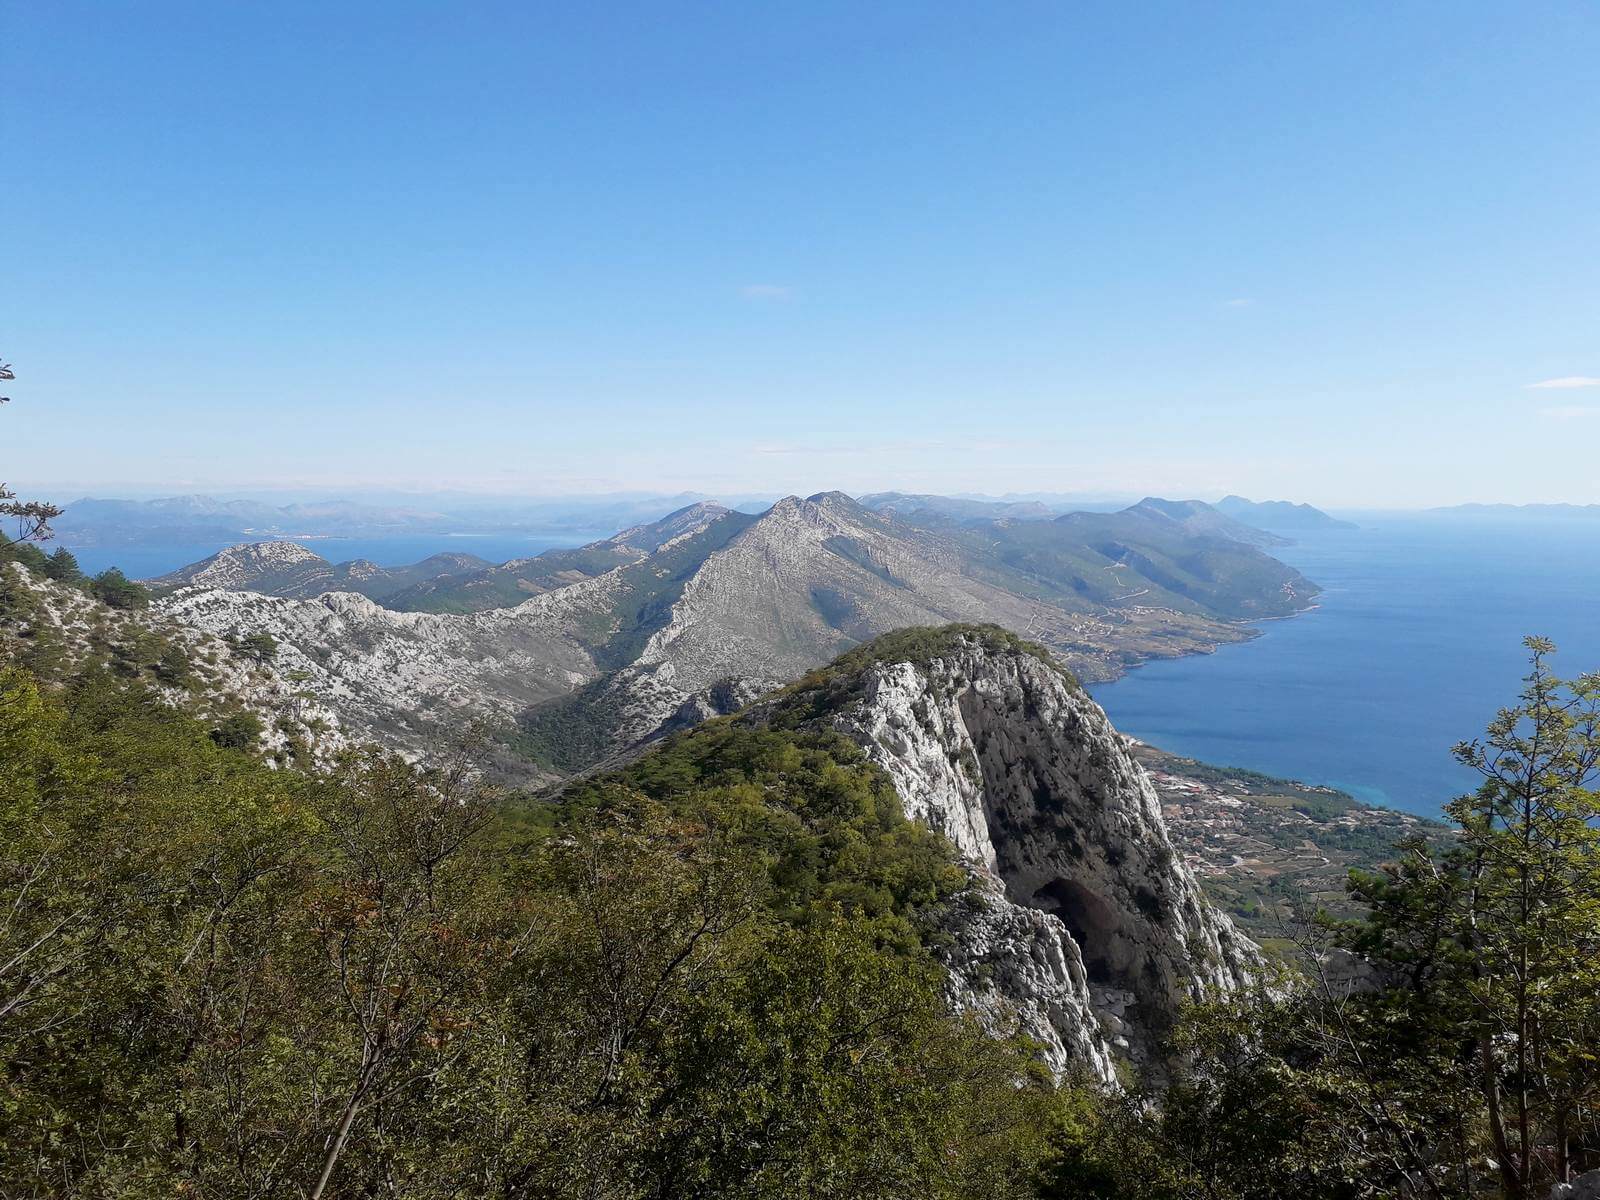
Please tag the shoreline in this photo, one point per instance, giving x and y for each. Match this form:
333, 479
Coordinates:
1374, 797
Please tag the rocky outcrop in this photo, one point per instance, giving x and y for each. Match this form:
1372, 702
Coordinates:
59, 631
1021, 971
615, 718
1584, 1187
280, 567
283, 568
1091, 909
400, 677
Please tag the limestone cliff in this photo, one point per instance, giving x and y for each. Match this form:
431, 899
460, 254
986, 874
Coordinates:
1088, 925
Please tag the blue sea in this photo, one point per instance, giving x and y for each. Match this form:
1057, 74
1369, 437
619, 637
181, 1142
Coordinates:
1415, 644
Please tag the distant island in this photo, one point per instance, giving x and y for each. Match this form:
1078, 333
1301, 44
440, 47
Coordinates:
1278, 514
1580, 511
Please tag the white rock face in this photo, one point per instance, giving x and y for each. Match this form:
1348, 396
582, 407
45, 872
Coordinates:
396, 676
929, 754
1021, 971
250, 563
1006, 756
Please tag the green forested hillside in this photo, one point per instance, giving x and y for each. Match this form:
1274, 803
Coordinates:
1133, 556
706, 977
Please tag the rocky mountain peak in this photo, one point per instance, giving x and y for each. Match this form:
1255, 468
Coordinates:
825, 514
1094, 932
836, 500
247, 564
653, 535
700, 510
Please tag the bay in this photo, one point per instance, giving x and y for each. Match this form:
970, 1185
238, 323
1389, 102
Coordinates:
1414, 645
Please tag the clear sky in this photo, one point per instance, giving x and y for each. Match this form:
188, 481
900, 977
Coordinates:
1317, 251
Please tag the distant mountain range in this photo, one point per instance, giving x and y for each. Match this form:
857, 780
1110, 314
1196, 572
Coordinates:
676, 619
960, 508
91, 522
1235, 517
187, 520
1137, 550
281, 568
1589, 511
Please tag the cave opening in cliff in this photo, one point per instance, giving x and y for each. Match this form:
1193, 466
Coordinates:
1090, 921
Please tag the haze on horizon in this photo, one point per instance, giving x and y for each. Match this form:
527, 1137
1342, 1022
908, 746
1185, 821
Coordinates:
1340, 255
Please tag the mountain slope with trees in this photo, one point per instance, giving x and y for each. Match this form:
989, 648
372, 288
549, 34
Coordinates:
723, 970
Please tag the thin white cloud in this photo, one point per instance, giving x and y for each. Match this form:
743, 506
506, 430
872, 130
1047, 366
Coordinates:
1567, 381
766, 291
1238, 302
1571, 412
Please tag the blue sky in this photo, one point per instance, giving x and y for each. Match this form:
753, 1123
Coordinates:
1314, 251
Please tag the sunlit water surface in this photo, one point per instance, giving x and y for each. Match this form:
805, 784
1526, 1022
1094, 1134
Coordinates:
1416, 642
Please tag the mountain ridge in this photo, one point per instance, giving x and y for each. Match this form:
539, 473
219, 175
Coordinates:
711, 595
287, 568
1278, 514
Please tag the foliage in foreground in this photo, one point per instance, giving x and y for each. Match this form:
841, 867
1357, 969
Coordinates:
709, 975
219, 979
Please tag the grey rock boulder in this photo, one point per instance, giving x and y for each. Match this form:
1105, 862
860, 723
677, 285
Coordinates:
1584, 1187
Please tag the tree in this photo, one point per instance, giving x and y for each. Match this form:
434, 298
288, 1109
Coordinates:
62, 567
115, 589
173, 666
398, 919
261, 647
1530, 863
33, 517
1491, 950
238, 731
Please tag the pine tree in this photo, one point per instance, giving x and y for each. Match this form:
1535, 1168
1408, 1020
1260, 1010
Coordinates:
1531, 855
63, 567
33, 517
1496, 945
